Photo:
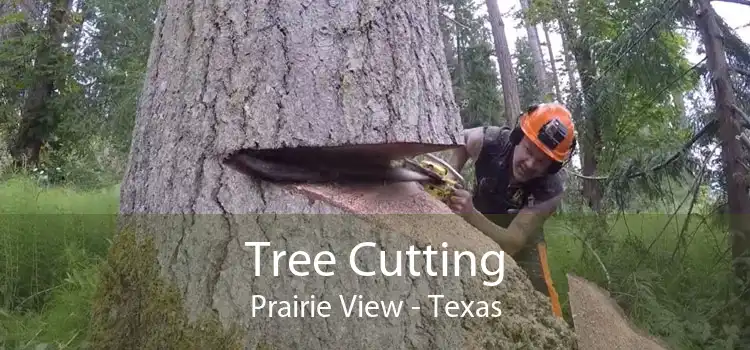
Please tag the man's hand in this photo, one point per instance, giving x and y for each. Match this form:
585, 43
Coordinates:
461, 202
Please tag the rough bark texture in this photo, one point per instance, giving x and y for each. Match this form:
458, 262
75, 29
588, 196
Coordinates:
315, 74
511, 97
601, 324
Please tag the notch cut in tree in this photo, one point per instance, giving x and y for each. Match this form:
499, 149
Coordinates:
234, 76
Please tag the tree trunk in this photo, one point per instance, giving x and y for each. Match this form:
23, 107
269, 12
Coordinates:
553, 64
38, 117
508, 80
590, 140
447, 42
460, 71
536, 55
291, 74
569, 65
732, 152
679, 104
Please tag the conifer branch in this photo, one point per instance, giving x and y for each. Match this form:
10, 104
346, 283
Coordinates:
708, 128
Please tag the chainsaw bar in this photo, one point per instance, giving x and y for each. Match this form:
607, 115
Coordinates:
322, 169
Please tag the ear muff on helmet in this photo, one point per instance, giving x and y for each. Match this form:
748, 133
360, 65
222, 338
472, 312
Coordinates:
556, 166
517, 135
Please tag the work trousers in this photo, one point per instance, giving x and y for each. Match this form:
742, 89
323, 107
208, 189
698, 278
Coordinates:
533, 260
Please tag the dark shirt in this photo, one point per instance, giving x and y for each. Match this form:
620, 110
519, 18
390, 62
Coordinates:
494, 194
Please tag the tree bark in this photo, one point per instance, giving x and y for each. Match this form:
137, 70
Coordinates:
299, 74
732, 152
508, 79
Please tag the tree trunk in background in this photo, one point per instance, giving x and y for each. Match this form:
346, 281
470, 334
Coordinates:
536, 54
569, 66
508, 78
360, 73
679, 103
460, 71
37, 118
590, 132
553, 64
732, 152
447, 42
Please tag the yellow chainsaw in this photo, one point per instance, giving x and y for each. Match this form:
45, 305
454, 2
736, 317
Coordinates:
443, 178
336, 165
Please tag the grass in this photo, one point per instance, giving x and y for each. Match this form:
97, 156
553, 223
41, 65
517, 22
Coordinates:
50, 241
53, 238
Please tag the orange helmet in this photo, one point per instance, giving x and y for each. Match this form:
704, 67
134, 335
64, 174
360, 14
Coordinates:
550, 127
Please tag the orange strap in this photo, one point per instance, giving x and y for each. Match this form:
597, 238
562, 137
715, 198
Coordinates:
542, 247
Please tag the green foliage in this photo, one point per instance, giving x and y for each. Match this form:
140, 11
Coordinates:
117, 59
51, 241
482, 105
475, 78
670, 279
90, 114
37, 227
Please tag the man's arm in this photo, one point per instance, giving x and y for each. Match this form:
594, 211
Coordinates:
529, 220
473, 139
526, 222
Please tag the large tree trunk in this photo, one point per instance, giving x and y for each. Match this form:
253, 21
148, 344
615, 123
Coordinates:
536, 54
511, 98
732, 153
294, 74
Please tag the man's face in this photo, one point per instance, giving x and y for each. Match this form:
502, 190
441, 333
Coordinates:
529, 161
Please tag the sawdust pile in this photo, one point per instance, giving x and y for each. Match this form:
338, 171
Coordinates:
399, 215
600, 323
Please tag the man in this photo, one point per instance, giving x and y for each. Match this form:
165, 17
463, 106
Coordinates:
513, 165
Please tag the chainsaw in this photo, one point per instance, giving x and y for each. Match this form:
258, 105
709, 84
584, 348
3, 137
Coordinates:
444, 179
329, 165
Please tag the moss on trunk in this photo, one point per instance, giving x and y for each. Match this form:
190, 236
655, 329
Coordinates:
136, 308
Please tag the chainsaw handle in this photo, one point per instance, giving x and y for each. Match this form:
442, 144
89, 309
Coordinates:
453, 171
